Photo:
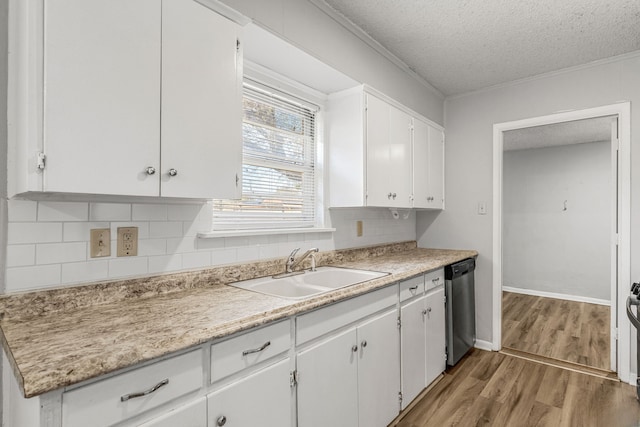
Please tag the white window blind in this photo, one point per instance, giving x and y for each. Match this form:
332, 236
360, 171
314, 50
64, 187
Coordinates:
278, 183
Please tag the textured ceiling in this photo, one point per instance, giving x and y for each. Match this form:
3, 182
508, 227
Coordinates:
574, 132
464, 45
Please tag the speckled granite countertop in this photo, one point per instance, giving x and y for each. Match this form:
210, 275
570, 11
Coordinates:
64, 336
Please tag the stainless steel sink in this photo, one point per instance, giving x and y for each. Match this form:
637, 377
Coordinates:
310, 283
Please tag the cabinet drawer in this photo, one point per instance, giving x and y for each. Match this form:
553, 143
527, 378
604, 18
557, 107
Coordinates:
100, 404
411, 288
235, 354
434, 279
320, 322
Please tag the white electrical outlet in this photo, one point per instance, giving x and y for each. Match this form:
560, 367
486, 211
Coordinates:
127, 241
482, 208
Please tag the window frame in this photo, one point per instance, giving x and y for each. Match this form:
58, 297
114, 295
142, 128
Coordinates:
280, 87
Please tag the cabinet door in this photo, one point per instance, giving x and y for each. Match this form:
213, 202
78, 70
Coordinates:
388, 146
436, 168
102, 96
436, 341
413, 350
201, 102
328, 383
378, 371
421, 192
261, 399
190, 415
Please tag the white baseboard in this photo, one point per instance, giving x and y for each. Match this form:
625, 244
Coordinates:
557, 296
484, 345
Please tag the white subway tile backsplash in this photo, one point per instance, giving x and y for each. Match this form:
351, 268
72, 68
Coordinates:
48, 242
32, 232
248, 253
183, 212
196, 260
110, 212
80, 231
181, 245
165, 229
204, 244
148, 247
63, 211
56, 253
33, 277
164, 263
224, 256
21, 255
22, 210
126, 267
79, 272
149, 212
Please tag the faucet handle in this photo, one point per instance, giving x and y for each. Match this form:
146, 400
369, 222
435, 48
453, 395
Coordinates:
293, 253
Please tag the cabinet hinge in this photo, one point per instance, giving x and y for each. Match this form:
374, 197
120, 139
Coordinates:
40, 161
237, 180
399, 322
293, 378
445, 299
237, 45
400, 396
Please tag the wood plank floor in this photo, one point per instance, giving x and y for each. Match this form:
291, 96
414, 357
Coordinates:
494, 389
565, 330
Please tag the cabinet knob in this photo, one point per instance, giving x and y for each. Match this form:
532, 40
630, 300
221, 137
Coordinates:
363, 343
150, 170
424, 312
394, 196
389, 196
173, 172
354, 348
222, 420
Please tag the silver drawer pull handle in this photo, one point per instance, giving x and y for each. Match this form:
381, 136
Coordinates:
257, 350
146, 392
413, 288
437, 279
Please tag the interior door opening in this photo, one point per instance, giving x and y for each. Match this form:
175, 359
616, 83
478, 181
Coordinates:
562, 202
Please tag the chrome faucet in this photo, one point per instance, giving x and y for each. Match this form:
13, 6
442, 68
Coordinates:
292, 262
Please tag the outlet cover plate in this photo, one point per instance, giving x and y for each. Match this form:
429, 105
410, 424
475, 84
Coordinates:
100, 242
127, 241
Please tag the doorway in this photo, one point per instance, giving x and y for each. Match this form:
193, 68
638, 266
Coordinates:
556, 227
619, 204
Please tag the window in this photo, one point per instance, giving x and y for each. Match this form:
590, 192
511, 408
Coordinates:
278, 182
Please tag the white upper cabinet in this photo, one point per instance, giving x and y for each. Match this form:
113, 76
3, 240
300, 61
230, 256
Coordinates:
101, 96
428, 166
380, 153
388, 148
201, 138
120, 97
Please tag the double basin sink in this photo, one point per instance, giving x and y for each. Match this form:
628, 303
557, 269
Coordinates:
309, 283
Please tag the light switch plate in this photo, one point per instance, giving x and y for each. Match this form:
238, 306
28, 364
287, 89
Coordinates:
127, 241
100, 242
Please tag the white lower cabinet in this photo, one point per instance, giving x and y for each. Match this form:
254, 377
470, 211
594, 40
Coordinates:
413, 349
260, 399
436, 334
352, 378
193, 414
422, 338
328, 382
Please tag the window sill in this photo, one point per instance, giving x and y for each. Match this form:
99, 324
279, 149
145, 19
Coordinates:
262, 232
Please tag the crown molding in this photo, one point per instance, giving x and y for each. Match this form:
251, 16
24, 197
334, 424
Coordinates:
371, 42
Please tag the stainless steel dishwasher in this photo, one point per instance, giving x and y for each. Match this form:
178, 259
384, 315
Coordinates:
461, 309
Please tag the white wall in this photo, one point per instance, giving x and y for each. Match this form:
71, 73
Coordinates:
469, 121
545, 247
